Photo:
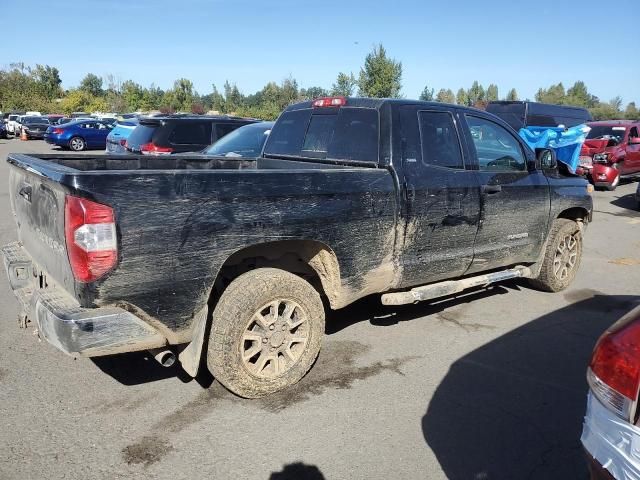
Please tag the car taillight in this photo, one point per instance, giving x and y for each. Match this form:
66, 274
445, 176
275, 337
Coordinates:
614, 371
90, 232
151, 149
329, 102
58, 131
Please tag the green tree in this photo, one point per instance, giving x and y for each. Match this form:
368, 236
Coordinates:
132, 95
344, 85
91, 84
446, 96
555, 95
492, 93
606, 111
631, 112
461, 97
475, 94
77, 100
49, 81
427, 94
381, 76
313, 92
512, 96
579, 95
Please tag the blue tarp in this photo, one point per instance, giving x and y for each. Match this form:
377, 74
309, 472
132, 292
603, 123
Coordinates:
566, 142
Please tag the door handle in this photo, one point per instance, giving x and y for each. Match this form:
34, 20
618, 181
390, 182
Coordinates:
491, 189
25, 192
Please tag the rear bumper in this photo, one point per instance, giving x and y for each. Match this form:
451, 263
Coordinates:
77, 331
613, 443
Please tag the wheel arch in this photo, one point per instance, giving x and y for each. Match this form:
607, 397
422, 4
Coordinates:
579, 214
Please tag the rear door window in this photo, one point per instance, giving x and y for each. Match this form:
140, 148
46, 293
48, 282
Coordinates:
191, 133
337, 133
223, 129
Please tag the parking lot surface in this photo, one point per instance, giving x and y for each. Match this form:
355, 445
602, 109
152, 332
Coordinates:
490, 384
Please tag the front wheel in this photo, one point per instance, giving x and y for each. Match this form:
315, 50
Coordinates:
562, 256
266, 332
77, 144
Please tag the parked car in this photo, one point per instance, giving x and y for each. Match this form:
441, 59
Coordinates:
141, 253
117, 138
611, 433
35, 127
245, 142
611, 152
54, 118
12, 124
180, 133
521, 114
79, 135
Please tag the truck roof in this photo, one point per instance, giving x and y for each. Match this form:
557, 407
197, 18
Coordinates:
378, 103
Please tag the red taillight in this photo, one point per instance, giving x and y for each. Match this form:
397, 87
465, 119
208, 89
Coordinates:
329, 102
151, 149
58, 131
90, 231
614, 371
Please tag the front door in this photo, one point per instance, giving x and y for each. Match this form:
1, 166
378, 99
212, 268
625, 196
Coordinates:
514, 197
441, 198
632, 154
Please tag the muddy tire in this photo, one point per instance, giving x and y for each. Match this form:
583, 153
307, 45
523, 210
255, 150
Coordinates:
266, 332
562, 256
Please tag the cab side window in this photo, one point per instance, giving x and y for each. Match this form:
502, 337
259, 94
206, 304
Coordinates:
440, 143
496, 148
633, 133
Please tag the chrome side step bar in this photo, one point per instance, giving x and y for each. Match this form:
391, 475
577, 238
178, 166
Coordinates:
449, 287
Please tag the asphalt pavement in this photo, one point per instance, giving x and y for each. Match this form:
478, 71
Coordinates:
488, 385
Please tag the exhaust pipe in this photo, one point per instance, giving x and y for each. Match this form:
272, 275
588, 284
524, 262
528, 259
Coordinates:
163, 356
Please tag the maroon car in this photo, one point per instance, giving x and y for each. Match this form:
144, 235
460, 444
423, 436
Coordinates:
611, 152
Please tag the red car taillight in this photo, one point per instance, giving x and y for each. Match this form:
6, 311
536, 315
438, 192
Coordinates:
90, 231
614, 371
58, 131
151, 149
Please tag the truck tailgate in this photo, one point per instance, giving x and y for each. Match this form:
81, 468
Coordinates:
38, 206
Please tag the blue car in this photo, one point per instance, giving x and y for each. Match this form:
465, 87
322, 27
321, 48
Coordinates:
79, 135
118, 136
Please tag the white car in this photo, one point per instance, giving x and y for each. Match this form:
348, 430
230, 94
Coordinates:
11, 123
611, 431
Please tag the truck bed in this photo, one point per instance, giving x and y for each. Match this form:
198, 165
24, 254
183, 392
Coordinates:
179, 219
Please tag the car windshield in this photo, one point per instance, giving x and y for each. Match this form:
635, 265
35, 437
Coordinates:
606, 132
246, 141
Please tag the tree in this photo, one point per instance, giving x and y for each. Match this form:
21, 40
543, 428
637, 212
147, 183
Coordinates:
49, 80
427, 94
132, 95
91, 84
380, 77
313, 92
512, 96
461, 97
579, 95
77, 100
445, 96
492, 93
631, 112
555, 95
344, 85
475, 94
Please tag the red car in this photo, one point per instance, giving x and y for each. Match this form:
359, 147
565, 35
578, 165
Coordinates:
611, 152
611, 435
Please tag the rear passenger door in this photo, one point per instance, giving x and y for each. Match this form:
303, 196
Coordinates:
189, 136
441, 197
514, 196
632, 154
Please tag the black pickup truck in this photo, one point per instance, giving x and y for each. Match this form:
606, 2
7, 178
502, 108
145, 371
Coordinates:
239, 257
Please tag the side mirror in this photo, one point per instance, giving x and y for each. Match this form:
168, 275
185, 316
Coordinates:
547, 158
634, 140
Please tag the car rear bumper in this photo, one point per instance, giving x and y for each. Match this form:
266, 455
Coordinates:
613, 443
77, 331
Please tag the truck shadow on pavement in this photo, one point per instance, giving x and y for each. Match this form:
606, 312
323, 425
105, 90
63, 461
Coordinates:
628, 202
514, 407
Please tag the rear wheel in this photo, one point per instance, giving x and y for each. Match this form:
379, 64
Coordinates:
266, 332
77, 144
562, 256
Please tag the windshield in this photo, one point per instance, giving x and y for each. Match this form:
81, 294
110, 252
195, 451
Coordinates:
246, 141
606, 132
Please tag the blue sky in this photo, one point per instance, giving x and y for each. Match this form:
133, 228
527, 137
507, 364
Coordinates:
443, 44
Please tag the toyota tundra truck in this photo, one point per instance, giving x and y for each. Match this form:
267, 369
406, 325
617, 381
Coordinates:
234, 261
